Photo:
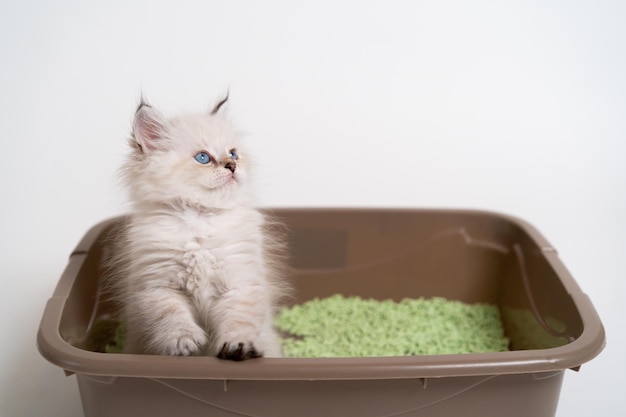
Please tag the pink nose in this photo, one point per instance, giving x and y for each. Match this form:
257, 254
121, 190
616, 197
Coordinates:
231, 165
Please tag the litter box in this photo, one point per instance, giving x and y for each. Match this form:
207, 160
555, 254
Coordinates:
470, 256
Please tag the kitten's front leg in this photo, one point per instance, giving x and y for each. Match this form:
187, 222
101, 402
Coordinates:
168, 324
243, 321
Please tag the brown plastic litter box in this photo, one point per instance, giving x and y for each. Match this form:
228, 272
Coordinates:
470, 256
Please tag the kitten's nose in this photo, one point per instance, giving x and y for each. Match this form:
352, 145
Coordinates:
232, 165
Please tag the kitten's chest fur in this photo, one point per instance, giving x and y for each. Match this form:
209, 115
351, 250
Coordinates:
199, 250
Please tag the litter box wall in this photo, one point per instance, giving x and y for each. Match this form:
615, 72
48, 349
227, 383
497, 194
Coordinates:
529, 395
463, 255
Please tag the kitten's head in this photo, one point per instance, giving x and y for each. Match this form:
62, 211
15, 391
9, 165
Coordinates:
192, 159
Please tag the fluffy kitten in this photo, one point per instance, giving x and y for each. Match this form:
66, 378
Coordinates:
199, 274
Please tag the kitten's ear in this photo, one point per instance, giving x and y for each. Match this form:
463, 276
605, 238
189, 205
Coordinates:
220, 105
149, 128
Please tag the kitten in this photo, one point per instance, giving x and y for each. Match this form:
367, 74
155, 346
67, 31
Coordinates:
200, 270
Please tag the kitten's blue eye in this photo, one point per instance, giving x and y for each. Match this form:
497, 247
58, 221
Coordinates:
233, 154
203, 158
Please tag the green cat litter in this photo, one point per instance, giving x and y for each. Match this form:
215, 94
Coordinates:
340, 326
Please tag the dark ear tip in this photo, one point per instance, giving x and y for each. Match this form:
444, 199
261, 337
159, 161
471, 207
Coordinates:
220, 104
142, 103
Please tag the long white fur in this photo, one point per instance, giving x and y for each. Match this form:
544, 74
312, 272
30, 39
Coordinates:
199, 275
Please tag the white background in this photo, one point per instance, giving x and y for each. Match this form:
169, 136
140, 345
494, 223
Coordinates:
517, 107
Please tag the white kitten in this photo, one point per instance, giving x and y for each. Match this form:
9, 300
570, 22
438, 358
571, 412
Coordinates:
199, 275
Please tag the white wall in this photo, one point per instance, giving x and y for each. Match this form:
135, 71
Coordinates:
516, 107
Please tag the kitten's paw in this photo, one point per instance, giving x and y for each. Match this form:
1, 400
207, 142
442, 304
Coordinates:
238, 351
186, 343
